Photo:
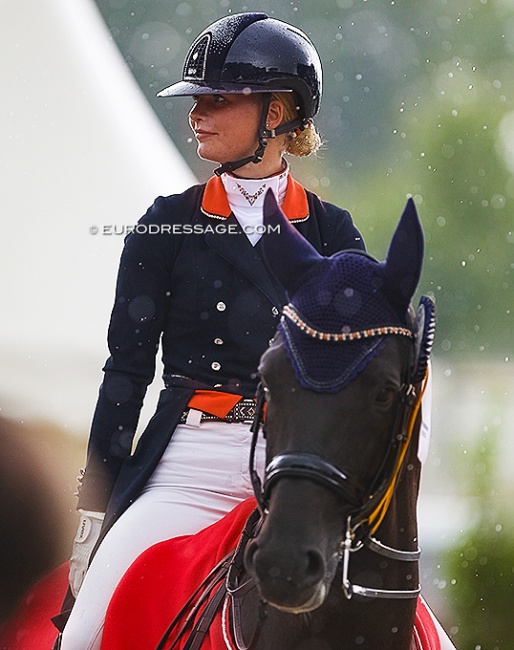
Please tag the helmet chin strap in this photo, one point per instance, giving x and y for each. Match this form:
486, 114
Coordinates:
264, 135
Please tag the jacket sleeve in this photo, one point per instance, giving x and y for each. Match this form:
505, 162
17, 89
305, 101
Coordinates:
141, 301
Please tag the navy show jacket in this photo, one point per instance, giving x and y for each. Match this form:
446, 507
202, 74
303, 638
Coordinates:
210, 302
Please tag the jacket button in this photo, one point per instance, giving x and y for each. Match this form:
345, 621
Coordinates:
274, 311
221, 306
218, 341
215, 365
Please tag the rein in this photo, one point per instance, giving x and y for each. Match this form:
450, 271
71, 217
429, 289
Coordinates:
207, 599
194, 605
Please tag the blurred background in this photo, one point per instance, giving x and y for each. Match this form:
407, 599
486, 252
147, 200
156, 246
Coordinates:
418, 100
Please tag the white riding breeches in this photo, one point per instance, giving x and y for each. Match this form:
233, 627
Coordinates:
203, 474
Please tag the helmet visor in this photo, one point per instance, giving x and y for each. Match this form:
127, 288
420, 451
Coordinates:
185, 88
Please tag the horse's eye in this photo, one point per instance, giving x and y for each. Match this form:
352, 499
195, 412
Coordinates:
385, 397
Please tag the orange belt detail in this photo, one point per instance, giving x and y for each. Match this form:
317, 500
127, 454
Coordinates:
213, 402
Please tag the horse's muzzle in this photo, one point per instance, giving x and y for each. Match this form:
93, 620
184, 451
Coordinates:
294, 580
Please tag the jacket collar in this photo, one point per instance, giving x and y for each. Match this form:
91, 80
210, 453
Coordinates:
215, 203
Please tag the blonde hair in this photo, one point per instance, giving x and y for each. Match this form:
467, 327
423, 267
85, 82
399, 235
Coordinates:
300, 142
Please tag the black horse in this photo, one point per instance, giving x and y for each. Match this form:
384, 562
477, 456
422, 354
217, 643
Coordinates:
342, 386
329, 560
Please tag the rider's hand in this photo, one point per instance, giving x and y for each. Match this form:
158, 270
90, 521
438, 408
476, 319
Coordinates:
87, 535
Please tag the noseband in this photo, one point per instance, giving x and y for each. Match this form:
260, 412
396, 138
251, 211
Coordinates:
368, 505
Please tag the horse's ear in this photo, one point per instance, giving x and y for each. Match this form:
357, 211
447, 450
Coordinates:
288, 254
402, 269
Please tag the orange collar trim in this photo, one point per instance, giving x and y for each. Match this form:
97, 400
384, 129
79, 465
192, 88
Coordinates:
215, 202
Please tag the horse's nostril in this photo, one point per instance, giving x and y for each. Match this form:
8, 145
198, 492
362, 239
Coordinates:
291, 568
315, 565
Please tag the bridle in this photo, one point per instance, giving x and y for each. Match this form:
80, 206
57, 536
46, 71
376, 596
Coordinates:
368, 505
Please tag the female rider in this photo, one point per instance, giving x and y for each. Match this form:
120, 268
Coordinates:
191, 277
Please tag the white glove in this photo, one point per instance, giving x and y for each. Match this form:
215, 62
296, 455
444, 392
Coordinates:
87, 535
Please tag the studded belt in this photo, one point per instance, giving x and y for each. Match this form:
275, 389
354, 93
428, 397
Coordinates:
243, 411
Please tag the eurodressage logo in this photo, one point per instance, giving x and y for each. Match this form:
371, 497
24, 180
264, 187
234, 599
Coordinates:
182, 229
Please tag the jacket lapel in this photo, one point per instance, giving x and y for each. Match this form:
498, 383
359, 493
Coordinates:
237, 249
244, 257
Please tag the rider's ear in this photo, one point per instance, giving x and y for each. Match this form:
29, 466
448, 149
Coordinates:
275, 114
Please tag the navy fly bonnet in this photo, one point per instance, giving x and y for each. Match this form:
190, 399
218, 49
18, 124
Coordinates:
342, 308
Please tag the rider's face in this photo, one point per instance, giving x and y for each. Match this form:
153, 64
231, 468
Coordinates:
225, 126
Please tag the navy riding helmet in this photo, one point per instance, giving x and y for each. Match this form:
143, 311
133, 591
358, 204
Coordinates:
253, 53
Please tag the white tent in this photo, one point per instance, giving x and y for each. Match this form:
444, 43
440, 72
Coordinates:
80, 148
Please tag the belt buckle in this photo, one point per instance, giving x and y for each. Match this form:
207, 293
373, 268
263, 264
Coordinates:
244, 410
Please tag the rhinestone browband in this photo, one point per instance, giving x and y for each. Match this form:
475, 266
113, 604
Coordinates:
292, 314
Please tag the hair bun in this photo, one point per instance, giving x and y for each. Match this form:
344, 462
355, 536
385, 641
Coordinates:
305, 142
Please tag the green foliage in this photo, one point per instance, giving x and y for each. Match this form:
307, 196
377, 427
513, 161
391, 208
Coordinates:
479, 569
417, 101
481, 588
464, 195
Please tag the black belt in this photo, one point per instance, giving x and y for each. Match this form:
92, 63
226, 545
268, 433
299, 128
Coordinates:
243, 411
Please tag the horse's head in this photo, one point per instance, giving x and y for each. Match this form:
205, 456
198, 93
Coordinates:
339, 383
